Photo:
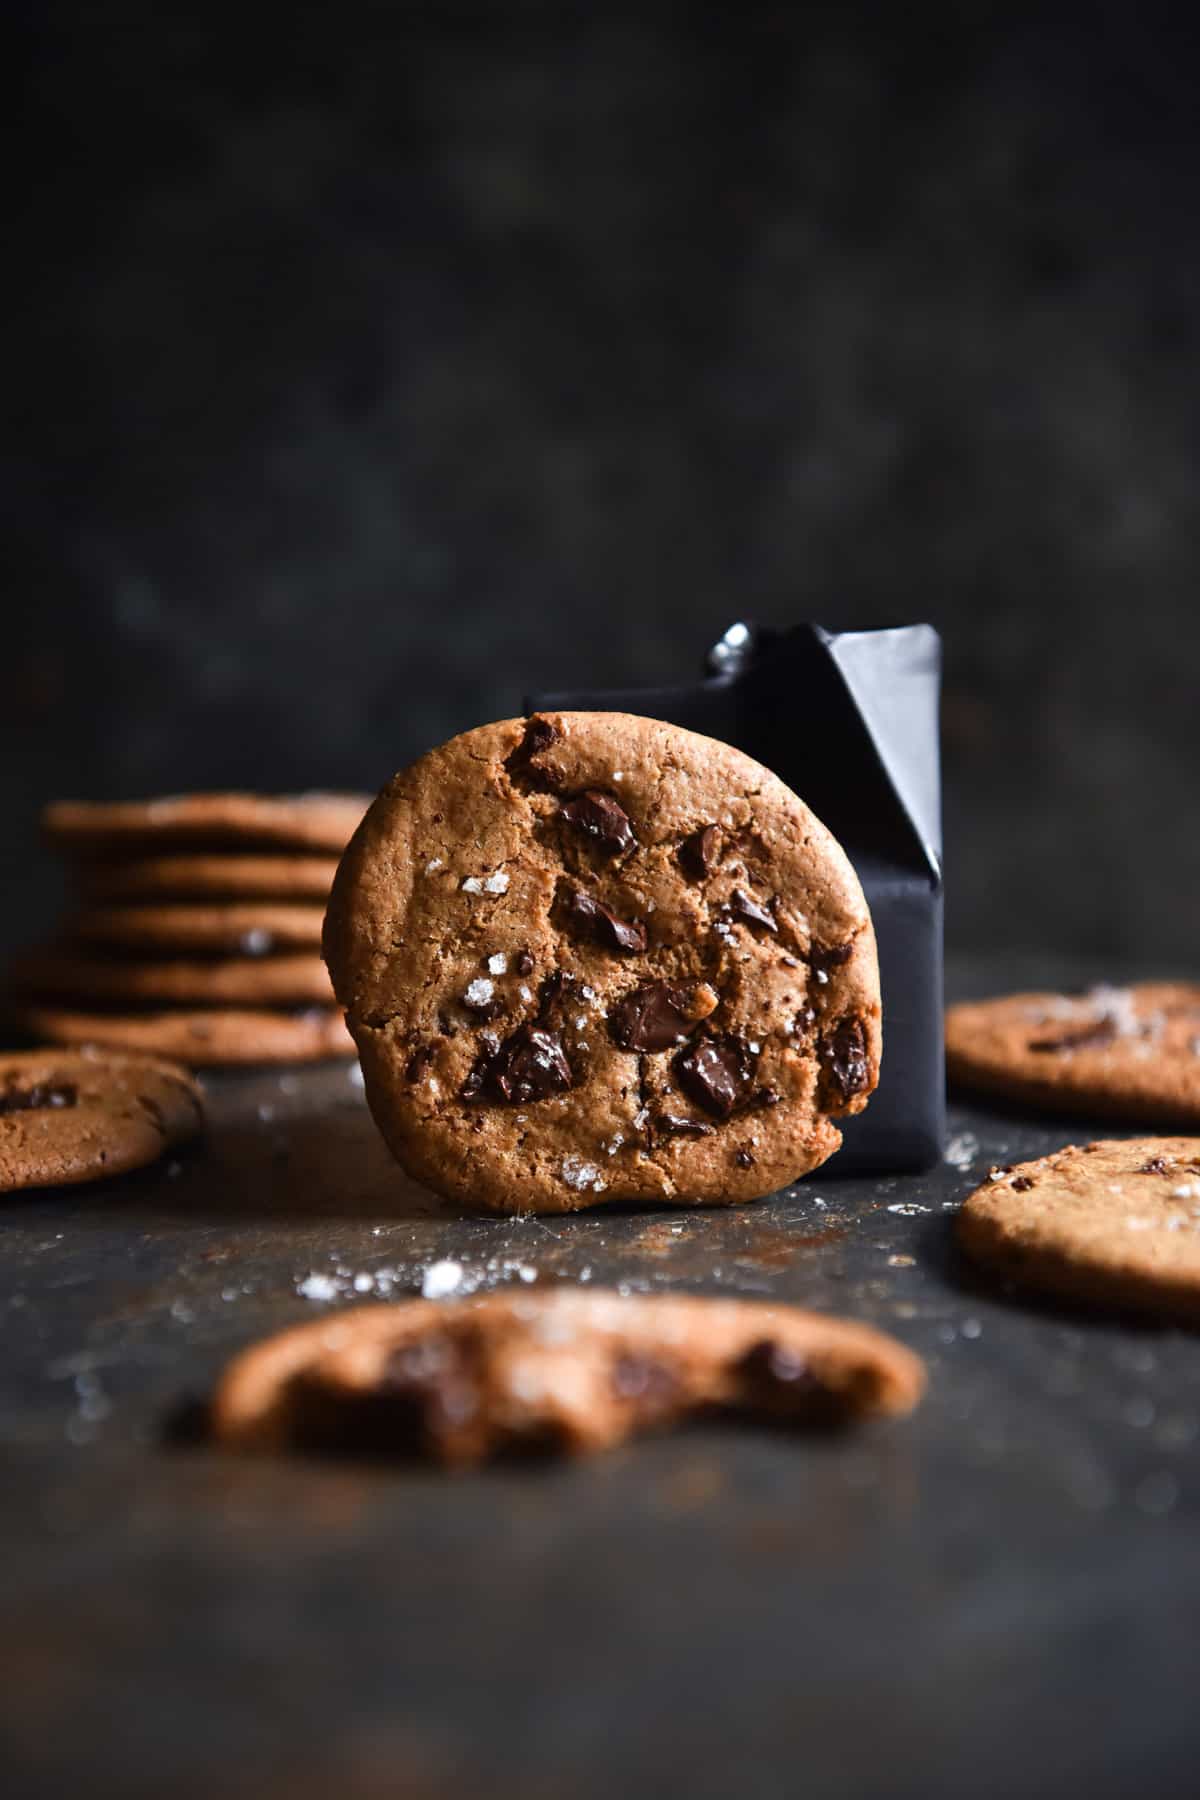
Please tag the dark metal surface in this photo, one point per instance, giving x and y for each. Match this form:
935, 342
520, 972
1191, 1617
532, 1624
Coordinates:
997, 1596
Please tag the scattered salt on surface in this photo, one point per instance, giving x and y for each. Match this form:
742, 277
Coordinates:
441, 1278
479, 991
962, 1150
317, 1287
498, 964
907, 1207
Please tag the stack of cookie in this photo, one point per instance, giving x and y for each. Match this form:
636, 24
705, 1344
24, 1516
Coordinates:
198, 928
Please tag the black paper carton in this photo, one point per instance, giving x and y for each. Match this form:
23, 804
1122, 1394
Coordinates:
849, 720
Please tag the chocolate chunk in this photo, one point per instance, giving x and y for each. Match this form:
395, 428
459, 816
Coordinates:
529, 1065
667, 1124
1021, 1184
654, 1017
540, 733
716, 1073
700, 853
844, 1051
764, 1097
804, 1021
639, 1379
601, 818
743, 907
44, 1096
556, 991
596, 919
419, 1061
524, 963
830, 956
744, 1159
1100, 1031
1156, 1166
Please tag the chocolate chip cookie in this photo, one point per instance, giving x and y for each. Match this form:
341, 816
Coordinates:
77, 1115
209, 877
201, 1037
1114, 1223
569, 1372
1114, 1052
290, 821
592, 956
295, 979
246, 928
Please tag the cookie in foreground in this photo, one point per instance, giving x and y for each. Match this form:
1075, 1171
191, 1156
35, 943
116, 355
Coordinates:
1128, 1053
592, 956
564, 1371
79, 1115
1114, 1223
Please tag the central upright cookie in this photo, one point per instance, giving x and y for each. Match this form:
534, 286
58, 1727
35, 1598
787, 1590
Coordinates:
591, 956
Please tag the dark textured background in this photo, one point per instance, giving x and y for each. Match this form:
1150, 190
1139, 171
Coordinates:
369, 365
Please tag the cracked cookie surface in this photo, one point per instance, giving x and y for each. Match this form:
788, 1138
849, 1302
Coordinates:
77, 1115
1112, 1052
1110, 1222
591, 956
462, 1381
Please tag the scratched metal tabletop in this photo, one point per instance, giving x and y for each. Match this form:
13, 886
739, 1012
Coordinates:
996, 1596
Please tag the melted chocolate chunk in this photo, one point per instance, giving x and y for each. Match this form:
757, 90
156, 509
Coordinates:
1021, 1184
596, 919
602, 818
419, 1061
700, 853
530, 1064
653, 1017
43, 1096
1101, 1031
744, 1159
830, 956
668, 1124
1156, 1166
716, 1073
742, 906
844, 1051
524, 963
556, 990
